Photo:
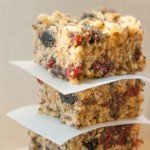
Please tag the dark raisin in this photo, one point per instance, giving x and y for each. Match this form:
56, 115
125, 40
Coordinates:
47, 38
115, 104
57, 71
88, 15
92, 144
137, 54
114, 114
38, 146
104, 68
96, 35
69, 98
91, 35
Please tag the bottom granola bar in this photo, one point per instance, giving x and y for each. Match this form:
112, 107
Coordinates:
123, 137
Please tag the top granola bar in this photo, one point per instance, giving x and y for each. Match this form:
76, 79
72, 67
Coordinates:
99, 44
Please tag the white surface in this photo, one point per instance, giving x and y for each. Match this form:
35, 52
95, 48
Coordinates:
64, 86
52, 129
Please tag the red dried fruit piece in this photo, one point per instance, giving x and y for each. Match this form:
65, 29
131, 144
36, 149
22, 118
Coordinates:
39, 81
73, 72
104, 68
75, 38
99, 67
133, 91
78, 39
104, 105
138, 53
108, 137
50, 63
137, 143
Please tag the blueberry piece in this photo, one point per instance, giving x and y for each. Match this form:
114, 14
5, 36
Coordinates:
69, 98
87, 15
92, 144
47, 38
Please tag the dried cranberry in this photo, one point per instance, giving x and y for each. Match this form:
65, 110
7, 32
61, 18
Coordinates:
104, 68
78, 39
109, 134
72, 72
47, 38
95, 34
39, 81
134, 91
92, 144
137, 143
106, 138
99, 67
50, 63
69, 98
75, 38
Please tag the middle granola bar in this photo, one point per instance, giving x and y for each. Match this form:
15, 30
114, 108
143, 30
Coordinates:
113, 101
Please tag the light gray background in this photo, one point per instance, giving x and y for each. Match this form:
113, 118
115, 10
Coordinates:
18, 88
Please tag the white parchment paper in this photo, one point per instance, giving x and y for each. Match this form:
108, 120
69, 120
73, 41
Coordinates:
64, 86
52, 129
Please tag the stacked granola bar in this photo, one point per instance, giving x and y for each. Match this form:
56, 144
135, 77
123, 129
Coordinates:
124, 137
114, 101
96, 45
100, 44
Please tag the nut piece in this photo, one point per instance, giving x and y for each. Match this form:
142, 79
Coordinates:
43, 18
